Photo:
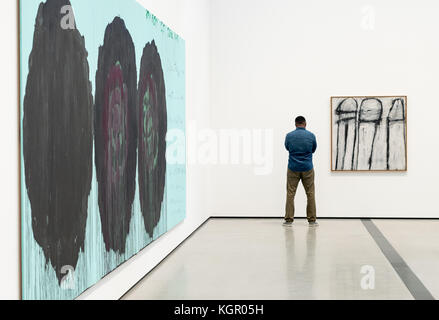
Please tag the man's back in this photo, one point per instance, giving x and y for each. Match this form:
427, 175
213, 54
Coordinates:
301, 144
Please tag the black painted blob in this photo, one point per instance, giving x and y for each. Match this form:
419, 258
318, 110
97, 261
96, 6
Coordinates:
116, 133
58, 137
152, 135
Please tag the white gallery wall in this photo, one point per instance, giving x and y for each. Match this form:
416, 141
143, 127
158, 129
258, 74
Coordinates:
274, 60
190, 19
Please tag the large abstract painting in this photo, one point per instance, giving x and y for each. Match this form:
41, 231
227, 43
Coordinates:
369, 133
102, 83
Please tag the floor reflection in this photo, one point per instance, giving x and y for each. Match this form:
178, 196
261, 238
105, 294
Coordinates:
301, 260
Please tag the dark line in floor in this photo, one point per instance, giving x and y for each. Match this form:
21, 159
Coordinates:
411, 281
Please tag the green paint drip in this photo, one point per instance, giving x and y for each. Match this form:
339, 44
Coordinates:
163, 28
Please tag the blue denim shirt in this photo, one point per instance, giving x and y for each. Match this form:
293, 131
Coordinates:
301, 144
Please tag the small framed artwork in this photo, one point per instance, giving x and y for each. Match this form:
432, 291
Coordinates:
369, 133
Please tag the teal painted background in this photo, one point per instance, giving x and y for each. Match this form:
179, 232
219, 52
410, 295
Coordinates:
92, 17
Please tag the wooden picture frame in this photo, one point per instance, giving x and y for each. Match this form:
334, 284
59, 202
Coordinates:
382, 120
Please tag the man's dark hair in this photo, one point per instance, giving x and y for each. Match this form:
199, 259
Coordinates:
300, 120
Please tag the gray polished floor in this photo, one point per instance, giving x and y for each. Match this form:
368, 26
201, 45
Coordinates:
261, 259
417, 241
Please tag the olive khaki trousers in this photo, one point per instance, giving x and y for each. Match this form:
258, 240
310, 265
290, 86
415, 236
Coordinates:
293, 179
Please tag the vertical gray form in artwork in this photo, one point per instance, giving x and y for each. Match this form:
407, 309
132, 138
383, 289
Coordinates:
346, 134
371, 112
396, 138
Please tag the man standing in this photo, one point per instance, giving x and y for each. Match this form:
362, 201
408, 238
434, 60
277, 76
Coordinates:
301, 144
